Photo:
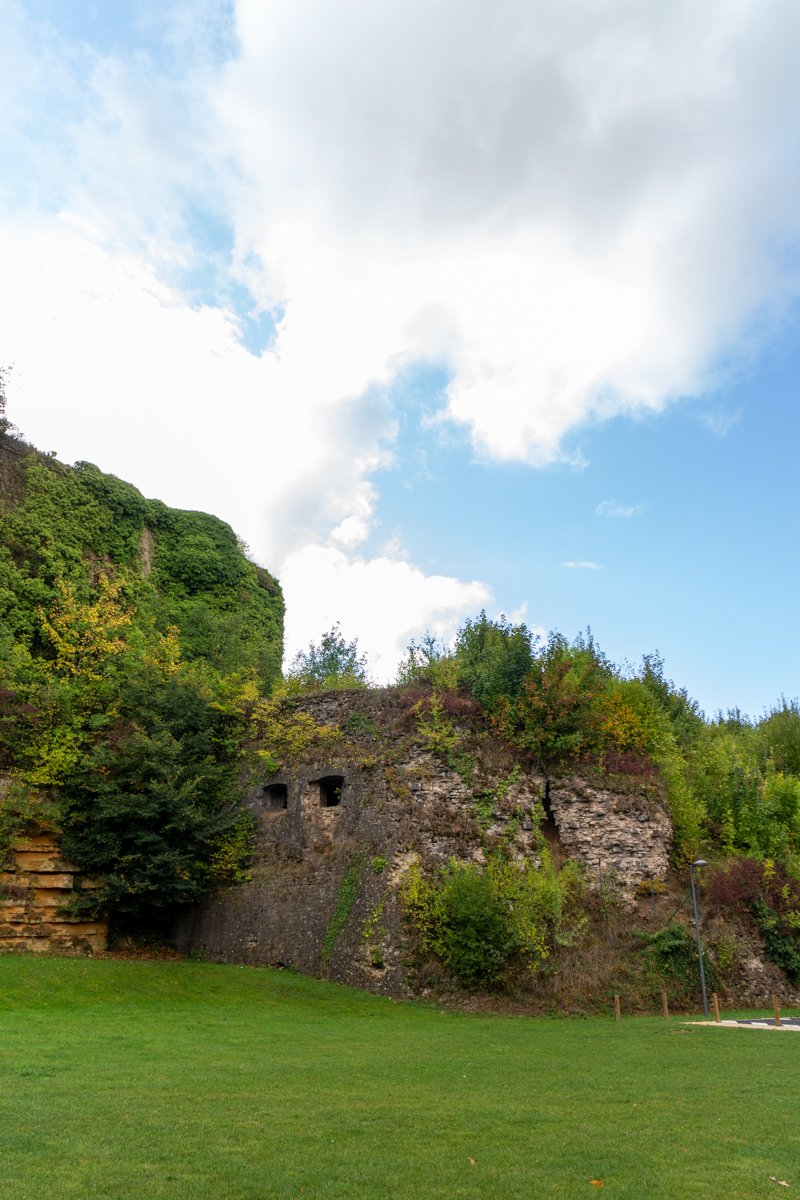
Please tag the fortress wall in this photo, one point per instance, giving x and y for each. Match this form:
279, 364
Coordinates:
399, 803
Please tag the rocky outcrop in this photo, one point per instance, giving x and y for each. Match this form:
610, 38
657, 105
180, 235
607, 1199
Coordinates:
625, 834
754, 982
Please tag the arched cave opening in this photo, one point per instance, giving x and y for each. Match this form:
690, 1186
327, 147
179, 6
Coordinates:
330, 791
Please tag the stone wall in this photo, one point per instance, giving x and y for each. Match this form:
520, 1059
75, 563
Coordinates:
399, 803
34, 887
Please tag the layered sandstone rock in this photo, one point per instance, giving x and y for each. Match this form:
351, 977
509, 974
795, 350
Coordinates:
34, 888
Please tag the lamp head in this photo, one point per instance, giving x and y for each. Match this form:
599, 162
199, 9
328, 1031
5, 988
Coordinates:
700, 862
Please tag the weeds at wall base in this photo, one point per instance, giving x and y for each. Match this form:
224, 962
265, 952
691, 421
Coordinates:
619, 953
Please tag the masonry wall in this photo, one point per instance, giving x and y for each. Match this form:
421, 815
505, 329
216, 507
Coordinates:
400, 803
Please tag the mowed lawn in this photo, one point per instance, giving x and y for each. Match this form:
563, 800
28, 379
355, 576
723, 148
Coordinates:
181, 1079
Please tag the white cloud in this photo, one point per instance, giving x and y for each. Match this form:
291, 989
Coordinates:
720, 422
382, 601
589, 566
576, 207
610, 508
351, 532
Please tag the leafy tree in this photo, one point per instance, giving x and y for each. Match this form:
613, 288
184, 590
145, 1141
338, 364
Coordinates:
494, 658
430, 661
779, 735
146, 805
683, 712
134, 641
555, 716
334, 663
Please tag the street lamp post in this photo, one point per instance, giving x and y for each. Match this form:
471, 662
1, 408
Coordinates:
700, 862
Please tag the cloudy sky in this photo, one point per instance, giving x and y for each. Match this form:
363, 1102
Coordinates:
442, 304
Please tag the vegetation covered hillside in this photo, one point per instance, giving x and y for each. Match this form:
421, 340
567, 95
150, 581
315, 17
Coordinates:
133, 638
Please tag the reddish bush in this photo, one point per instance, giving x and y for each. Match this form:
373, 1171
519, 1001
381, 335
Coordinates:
738, 887
764, 892
628, 762
748, 881
453, 704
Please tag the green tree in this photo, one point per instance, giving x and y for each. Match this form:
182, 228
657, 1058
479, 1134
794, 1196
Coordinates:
334, 663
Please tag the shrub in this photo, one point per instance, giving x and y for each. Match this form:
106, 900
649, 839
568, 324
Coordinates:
485, 922
477, 935
334, 663
555, 714
673, 953
428, 661
765, 893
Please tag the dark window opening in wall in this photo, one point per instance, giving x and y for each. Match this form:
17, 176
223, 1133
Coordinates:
330, 791
276, 796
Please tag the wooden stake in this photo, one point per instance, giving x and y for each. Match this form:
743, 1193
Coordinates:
716, 1007
666, 1006
616, 1007
777, 1011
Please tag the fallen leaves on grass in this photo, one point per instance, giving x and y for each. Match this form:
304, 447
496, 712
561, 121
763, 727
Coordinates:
597, 1182
780, 1182
472, 1160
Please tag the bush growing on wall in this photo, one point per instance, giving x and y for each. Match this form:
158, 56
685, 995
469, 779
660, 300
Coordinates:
334, 663
483, 923
673, 953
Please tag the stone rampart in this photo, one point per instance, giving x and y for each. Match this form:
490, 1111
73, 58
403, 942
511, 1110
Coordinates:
371, 805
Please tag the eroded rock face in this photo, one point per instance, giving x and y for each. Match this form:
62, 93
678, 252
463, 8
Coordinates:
754, 982
628, 833
398, 803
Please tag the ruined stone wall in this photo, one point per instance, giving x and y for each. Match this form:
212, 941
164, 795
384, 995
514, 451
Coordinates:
399, 803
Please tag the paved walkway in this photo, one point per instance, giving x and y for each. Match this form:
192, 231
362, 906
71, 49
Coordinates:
766, 1023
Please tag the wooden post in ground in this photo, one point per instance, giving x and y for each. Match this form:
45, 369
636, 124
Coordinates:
616, 1007
716, 1007
777, 1011
666, 1006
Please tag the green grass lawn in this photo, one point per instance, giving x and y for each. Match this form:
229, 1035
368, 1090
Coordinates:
181, 1079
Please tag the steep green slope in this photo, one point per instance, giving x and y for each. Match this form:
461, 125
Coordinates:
182, 568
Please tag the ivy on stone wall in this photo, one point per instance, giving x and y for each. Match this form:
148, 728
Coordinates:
349, 889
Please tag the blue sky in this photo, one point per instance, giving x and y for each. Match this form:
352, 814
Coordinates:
706, 567
430, 302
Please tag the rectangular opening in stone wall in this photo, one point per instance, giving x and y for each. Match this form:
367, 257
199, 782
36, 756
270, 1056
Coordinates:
275, 796
330, 791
